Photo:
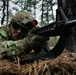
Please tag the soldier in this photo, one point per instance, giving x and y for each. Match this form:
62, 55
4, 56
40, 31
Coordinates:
17, 38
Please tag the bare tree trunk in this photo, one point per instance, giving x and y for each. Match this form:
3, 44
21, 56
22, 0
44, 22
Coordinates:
47, 16
69, 7
35, 9
42, 13
7, 11
4, 4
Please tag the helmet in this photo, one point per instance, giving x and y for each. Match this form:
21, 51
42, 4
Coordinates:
21, 18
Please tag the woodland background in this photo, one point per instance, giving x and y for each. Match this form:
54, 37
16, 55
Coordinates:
43, 8
43, 11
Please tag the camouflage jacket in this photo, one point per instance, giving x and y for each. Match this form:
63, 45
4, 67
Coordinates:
7, 46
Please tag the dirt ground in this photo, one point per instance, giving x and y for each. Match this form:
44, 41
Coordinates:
65, 64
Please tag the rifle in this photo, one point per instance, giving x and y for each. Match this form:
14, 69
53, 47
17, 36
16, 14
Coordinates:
61, 28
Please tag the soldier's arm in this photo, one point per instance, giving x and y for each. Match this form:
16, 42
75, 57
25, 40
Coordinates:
11, 48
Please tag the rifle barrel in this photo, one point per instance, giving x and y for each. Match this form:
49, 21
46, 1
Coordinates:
71, 23
55, 30
50, 30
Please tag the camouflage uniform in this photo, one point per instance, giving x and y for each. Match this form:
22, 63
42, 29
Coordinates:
9, 47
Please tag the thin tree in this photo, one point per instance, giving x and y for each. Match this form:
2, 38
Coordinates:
34, 6
7, 12
3, 11
42, 13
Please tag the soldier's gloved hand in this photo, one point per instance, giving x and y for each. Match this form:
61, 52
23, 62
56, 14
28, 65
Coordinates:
34, 41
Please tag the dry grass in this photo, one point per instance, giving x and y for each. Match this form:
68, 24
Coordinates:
65, 64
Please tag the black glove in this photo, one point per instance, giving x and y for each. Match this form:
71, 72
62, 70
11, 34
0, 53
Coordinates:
34, 41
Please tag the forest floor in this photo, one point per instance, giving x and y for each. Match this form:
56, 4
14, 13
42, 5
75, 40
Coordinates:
65, 64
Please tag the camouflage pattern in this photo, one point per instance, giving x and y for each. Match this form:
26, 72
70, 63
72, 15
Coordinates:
9, 47
21, 18
13, 48
36, 42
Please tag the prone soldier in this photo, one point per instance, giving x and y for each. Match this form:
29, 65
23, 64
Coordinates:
17, 38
